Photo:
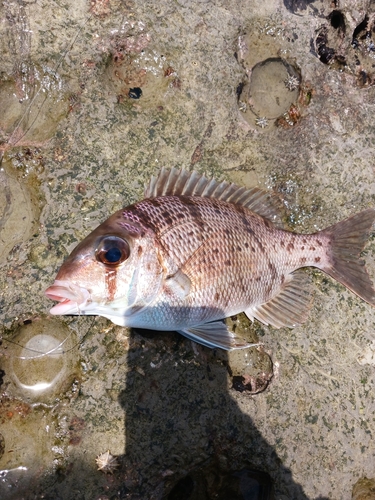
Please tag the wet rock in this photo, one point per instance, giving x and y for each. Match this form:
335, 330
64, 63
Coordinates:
19, 209
33, 102
251, 369
348, 46
28, 446
210, 483
2, 445
296, 6
135, 71
40, 360
364, 489
272, 89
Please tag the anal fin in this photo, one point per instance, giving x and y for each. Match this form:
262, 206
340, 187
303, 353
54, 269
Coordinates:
215, 334
291, 305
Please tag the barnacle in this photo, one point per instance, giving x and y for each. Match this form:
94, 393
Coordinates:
106, 462
262, 122
291, 83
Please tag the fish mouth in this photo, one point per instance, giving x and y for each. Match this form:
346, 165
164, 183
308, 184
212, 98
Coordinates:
71, 298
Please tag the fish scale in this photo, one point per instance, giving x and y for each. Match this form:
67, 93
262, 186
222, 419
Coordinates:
195, 251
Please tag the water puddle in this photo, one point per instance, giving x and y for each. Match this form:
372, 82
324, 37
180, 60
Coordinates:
41, 361
32, 103
40, 373
273, 92
136, 74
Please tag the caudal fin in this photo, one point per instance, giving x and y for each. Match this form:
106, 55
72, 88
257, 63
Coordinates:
348, 238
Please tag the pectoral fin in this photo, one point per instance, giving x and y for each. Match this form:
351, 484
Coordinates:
215, 334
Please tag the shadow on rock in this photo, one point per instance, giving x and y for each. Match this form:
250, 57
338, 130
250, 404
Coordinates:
186, 437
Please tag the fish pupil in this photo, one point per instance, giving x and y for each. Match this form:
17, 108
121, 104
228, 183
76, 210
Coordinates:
113, 255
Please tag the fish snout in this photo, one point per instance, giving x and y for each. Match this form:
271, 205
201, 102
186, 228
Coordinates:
70, 297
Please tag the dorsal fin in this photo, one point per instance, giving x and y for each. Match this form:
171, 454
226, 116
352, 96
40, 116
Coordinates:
183, 183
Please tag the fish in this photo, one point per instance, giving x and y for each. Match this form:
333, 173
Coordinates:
195, 251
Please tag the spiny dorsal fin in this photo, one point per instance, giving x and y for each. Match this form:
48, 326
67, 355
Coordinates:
183, 183
290, 307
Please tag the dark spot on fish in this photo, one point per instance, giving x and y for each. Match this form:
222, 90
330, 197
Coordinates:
249, 230
252, 249
272, 268
217, 296
217, 211
313, 249
261, 247
228, 262
304, 240
239, 248
282, 277
317, 259
290, 247
215, 251
282, 243
303, 260
139, 251
156, 202
180, 215
258, 278
246, 245
319, 243
227, 232
303, 247
193, 209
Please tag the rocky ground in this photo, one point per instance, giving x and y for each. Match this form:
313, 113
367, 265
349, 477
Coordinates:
95, 97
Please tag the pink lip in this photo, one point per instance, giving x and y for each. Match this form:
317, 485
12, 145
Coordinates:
69, 295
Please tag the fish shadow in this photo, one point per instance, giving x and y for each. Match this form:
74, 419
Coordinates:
186, 437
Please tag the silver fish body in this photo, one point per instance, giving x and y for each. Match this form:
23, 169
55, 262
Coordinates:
196, 251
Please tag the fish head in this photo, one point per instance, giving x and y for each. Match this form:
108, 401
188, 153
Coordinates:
114, 272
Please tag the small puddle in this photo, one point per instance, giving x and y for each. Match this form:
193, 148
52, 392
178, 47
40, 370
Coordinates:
40, 361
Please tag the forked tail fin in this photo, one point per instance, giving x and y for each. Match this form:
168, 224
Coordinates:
348, 238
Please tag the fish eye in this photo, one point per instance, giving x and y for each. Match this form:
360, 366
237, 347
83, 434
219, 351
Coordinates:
112, 251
